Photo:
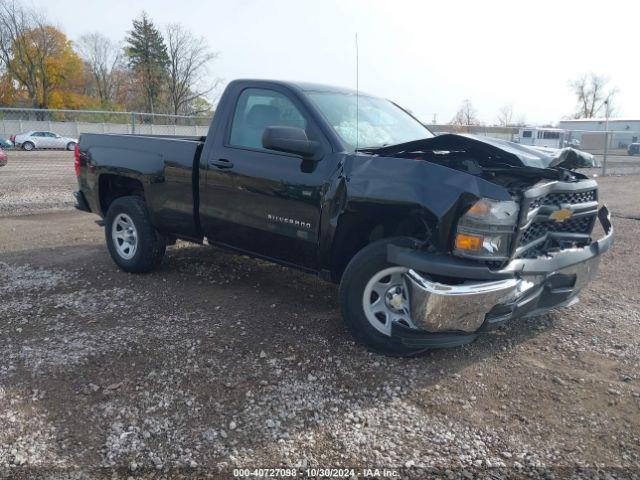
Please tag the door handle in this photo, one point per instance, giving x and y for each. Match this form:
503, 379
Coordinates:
221, 163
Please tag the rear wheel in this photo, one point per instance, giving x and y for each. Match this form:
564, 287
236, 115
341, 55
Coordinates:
134, 244
28, 146
374, 296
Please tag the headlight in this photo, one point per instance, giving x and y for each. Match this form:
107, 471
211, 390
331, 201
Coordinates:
486, 229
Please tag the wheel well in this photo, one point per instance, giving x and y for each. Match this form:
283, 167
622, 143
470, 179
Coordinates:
115, 186
357, 230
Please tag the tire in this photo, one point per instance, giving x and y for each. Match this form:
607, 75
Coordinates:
71, 145
363, 268
146, 250
28, 146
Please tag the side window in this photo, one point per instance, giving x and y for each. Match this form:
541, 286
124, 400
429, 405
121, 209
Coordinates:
526, 134
37, 134
258, 109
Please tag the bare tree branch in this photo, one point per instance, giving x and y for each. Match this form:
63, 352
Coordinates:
466, 115
104, 59
189, 59
593, 95
506, 116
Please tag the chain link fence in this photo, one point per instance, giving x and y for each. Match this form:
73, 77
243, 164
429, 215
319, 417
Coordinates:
72, 123
611, 148
44, 179
617, 141
618, 160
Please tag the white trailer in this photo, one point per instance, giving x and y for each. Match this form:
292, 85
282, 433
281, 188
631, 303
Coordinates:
542, 137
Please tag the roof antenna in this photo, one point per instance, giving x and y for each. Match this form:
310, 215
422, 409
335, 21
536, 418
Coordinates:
357, 97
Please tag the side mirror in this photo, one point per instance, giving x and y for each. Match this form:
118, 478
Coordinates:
290, 140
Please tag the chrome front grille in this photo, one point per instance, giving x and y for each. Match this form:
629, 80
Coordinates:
573, 225
572, 198
539, 232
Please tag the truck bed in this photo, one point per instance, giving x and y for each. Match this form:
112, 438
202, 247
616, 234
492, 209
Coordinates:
165, 166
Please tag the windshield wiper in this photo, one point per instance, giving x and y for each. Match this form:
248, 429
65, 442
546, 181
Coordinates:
395, 148
374, 149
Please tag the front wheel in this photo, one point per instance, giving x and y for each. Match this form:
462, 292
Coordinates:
71, 145
374, 296
28, 146
134, 244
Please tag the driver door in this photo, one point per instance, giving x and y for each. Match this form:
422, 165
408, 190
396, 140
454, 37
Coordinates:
263, 201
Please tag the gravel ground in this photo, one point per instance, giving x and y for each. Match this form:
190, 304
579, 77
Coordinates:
36, 181
217, 361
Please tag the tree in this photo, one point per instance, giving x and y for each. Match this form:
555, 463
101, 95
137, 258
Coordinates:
201, 107
39, 59
593, 95
104, 60
505, 116
60, 74
22, 60
189, 57
148, 58
466, 115
8, 91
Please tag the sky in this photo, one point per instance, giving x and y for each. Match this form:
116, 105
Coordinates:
426, 56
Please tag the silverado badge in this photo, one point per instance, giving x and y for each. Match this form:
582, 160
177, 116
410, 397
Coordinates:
289, 221
561, 215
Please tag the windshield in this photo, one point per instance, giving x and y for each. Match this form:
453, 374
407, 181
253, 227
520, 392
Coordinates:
378, 123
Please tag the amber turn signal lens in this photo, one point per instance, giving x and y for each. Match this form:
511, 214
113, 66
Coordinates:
471, 243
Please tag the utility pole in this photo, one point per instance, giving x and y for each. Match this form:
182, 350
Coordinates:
606, 138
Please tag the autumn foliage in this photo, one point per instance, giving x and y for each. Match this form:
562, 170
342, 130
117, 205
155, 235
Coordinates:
41, 68
57, 79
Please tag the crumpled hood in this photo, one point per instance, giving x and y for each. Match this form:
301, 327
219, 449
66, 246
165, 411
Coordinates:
508, 152
541, 157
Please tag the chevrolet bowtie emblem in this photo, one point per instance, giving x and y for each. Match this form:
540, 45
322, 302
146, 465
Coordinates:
561, 215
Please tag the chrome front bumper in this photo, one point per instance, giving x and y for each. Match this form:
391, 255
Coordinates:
437, 307
532, 287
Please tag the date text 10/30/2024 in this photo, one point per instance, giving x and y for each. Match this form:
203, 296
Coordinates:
316, 472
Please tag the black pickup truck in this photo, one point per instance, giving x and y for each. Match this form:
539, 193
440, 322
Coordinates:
433, 239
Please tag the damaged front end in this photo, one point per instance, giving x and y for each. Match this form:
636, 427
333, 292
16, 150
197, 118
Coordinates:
484, 298
497, 254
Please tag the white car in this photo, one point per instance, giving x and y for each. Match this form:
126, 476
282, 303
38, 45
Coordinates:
34, 139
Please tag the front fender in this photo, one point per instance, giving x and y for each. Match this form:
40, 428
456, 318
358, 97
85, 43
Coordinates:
373, 189
418, 185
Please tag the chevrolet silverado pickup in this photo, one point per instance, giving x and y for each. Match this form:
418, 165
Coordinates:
433, 239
